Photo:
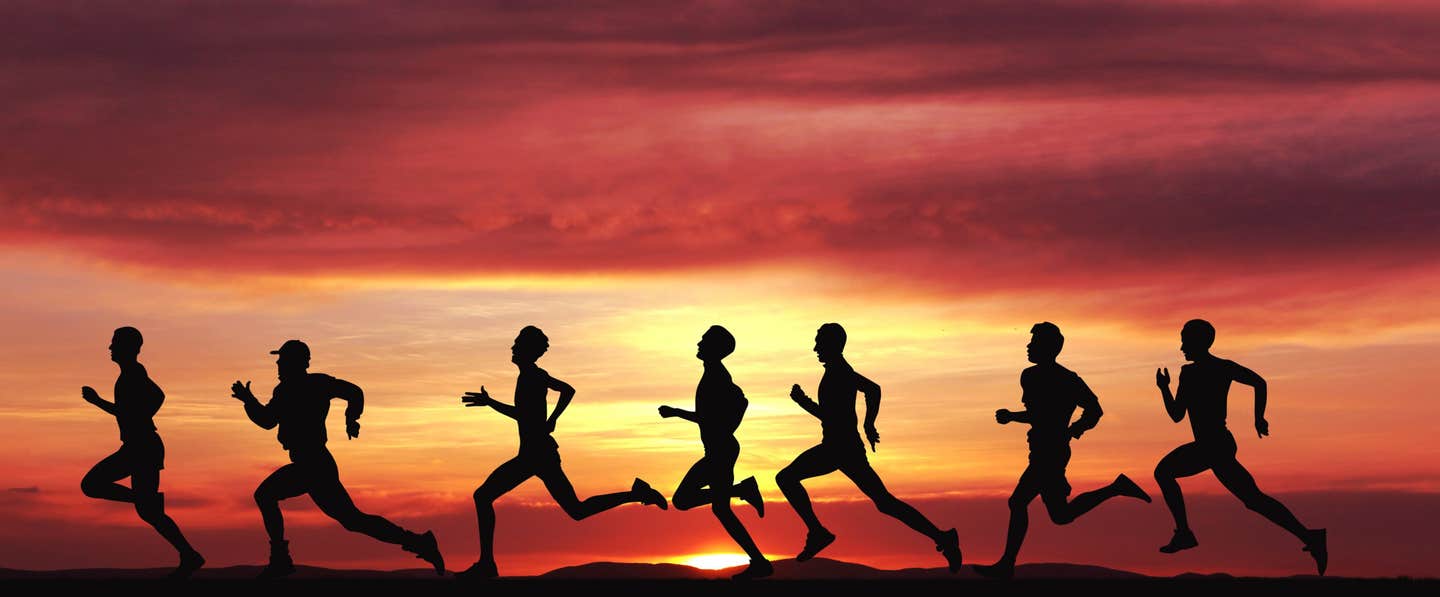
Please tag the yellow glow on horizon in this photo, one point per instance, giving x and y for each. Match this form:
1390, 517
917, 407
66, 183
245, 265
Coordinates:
715, 561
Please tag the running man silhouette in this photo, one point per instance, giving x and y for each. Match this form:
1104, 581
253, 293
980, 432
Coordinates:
1202, 393
719, 407
842, 449
299, 406
1051, 393
141, 455
539, 453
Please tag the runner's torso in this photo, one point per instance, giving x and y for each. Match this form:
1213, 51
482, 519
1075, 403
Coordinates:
720, 405
137, 399
837, 391
1203, 390
300, 407
531, 387
1050, 394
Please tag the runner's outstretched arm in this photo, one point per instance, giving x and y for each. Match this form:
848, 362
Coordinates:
93, 397
482, 398
1004, 416
259, 413
679, 413
798, 395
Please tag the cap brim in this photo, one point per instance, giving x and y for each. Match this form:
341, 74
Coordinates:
275, 352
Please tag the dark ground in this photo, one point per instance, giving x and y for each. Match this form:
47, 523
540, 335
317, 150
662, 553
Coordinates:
700, 588
821, 577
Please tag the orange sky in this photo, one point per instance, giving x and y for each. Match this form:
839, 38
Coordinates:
405, 194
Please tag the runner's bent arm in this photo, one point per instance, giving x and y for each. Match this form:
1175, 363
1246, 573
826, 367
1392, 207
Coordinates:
566, 393
1253, 379
353, 396
1088, 401
1173, 406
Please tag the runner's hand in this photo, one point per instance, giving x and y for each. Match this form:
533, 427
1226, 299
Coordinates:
1262, 426
872, 435
90, 395
667, 411
352, 428
1004, 416
1162, 379
242, 392
480, 398
798, 395
1076, 431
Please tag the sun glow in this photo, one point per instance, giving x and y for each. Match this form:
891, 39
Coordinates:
716, 561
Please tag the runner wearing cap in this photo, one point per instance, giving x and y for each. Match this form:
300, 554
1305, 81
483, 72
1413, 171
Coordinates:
141, 454
298, 406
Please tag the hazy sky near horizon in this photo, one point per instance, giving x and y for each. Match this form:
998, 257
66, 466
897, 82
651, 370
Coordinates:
404, 189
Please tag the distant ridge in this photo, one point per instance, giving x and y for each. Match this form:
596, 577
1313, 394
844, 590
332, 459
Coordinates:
822, 569
819, 569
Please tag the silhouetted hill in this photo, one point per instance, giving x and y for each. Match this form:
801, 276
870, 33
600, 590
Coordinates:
227, 573
822, 569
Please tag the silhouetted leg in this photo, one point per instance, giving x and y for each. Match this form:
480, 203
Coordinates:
1064, 511
696, 489
150, 505
1025, 491
692, 491
814, 462
1185, 461
869, 482
506, 477
564, 493
332, 499
100, 482
286, 482
721, 473
1234, 477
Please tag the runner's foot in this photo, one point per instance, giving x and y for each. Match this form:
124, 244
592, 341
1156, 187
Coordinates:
647, 494
1319, 550
949, 546
757, 569
814, 542
749, 491
998, 570
1129, 488
479, 571
1181, 541
425, 547
189, 563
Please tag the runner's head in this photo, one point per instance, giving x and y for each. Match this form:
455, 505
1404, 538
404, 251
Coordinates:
293, 360
829, 342
1196, 338
716, 344
530, 344
1045, 343
125, 344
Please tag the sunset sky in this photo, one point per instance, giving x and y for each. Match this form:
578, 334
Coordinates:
405, 188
